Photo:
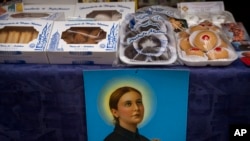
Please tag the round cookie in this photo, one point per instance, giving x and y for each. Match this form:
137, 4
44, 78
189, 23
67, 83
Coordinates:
218, 53
183, 34
185, 44
196, 28
194, 51
214, 28
205, 40
209, 25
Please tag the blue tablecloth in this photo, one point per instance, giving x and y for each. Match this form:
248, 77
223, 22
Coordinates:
46, 102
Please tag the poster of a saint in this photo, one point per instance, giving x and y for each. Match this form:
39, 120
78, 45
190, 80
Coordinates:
136, 104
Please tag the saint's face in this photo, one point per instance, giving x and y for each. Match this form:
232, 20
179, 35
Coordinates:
130, 109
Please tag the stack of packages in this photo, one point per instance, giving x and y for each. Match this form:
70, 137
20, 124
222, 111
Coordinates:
70, 33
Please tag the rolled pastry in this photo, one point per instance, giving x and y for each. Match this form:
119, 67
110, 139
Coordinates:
3, 36
13, 37
34, 35
25, 37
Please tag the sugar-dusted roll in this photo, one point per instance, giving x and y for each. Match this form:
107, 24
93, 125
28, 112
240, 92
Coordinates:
13, 37
25, 37
3, 36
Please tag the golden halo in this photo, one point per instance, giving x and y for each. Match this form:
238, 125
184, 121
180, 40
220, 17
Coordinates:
149, 99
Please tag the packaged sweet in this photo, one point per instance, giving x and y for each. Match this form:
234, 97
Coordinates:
83, 35
105, 15
205, 44
24, 42
235, 31
215, 18
11, 6
103, 11
22, 35
33, 16
147, 39
240, 40
197, 12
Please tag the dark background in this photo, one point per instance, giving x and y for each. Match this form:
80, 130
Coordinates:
240, 11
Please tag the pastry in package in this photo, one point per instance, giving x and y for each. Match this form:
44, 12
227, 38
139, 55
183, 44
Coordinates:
147, 39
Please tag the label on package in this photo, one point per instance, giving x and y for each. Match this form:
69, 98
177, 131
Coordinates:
201, 7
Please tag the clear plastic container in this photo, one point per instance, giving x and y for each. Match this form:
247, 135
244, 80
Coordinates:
147, 39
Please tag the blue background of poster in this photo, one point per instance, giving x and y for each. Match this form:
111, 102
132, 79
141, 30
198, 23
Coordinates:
166, 101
